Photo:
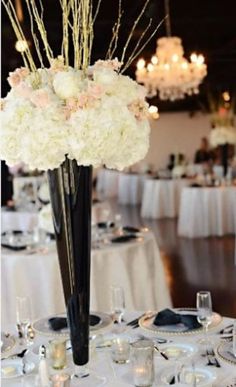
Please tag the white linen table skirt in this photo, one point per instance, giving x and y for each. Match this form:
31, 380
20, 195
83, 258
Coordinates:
161, 198
207, 211
121, 375
130, 188
136, 266
107, 183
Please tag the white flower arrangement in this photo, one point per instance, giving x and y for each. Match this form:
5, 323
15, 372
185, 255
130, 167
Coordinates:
222, 135
97, 118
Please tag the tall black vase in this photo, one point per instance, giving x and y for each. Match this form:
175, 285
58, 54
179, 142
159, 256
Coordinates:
71, 195
224, 157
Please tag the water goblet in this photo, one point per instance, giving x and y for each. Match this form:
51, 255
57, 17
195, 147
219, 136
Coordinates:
204, 313
23, 317
118, 302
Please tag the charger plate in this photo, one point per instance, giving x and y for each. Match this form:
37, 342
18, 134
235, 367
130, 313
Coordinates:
225, 352
43, 328
7, 342
147, 323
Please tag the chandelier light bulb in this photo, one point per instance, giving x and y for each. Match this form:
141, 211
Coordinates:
153, 111
194, 58
141, 64
175, 58
150, 67
154, 60
170, 74
226, 96
200, 59
21, 45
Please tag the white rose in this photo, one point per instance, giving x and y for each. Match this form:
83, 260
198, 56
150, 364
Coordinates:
104, 76
67, 84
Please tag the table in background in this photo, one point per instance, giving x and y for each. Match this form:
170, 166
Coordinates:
161, 198
107, 183
130, 188
136, 266
121, 374
207, 211
27, 221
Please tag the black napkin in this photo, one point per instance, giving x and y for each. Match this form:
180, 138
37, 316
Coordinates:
168, 317
124, 238
131, 229
105, 224
58, 323
196, 185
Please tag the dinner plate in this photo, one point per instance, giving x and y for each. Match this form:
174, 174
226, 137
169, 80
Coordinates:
178, 350
16, 239
204, 376
13, 368
42, 326
225, 351
7, 342
147, 323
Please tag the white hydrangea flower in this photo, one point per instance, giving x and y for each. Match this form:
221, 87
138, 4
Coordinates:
96, 119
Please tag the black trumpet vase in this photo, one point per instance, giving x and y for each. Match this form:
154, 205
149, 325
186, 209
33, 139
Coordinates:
224, 157
71, 196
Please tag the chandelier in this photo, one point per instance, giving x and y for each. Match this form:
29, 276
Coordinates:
169, 73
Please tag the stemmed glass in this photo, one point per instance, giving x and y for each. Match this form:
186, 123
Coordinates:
204, 312
23, 317
118, 302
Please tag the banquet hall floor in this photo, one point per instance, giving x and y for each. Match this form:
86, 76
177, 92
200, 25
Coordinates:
191, 264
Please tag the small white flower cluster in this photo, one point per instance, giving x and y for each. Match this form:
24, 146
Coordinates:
97, 118
222, 136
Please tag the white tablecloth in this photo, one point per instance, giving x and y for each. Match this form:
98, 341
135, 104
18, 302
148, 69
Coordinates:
207, 212
27, 221
107, 183
130, 188
161, 198
120, 375
136, 266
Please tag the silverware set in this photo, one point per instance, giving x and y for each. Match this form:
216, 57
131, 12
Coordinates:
211, 358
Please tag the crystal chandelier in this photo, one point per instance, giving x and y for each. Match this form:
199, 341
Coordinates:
169, 73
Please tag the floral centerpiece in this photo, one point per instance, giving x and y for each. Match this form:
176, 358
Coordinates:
66, 117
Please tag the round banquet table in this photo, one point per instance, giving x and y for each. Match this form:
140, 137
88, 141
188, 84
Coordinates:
161, 197
130, 188
120, 375
27, 221
207, 211
136, 266
107, 183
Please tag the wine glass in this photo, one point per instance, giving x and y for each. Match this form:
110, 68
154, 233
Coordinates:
204, 312
23, 316
118, 302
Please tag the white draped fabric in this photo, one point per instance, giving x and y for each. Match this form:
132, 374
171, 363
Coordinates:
161, 198
121, 375
136, 266
207, 212
27, 221
107, 183
130, 188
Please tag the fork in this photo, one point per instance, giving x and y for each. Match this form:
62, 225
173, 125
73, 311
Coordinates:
212, 360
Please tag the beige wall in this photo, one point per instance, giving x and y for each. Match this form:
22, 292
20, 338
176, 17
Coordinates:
176, 132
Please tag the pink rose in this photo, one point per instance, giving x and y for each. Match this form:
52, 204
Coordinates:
24, 90
40, 98
16, 77
95, 91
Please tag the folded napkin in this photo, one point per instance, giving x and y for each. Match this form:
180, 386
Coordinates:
196, 185
58, 323
168, 317
124, 238
105, 224
131, 229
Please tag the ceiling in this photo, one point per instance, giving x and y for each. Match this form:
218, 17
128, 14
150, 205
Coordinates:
205, 26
